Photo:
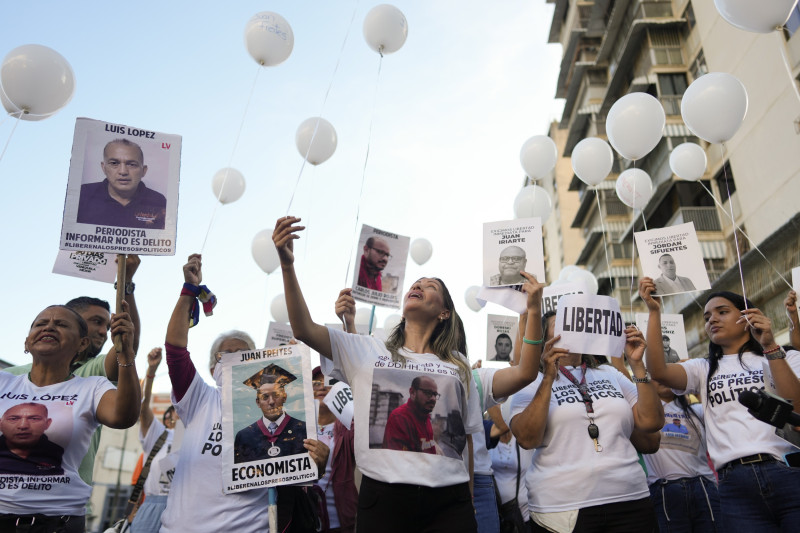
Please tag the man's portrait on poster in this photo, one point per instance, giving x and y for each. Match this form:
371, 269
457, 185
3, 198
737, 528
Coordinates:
24, 447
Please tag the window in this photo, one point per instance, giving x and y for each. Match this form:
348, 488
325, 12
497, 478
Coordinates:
691, 21
793, 23
671, 87
699, 66
725, 181
666, 47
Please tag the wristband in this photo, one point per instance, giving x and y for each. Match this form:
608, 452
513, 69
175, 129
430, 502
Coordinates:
121, 365
151, 377
777, 353
535, 343
645, 379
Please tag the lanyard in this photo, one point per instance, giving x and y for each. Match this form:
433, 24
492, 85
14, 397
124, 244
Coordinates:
582, 388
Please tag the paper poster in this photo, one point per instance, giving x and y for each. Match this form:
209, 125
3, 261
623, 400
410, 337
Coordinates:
267, 411
380, 267
278, 334
122, 193
553, 293
87, 265
673, 335
590, 324
340, 401
796, 280
511, 246
501, 334
673, 258
511, 298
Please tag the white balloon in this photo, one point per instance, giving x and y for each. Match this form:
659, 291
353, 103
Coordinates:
714, 106
264, 252
538, 156
533, 201
228, 185
391, 322
634, 188
36, 80
421, 250
385, 29
762, 16
585, 277
566, 271
634, 125
269, 38
688, 161
559, 282
470, 297
363, 315
324, 140
278, 309
592, 160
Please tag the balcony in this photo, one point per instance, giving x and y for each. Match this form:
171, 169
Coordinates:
704, 218
671, 104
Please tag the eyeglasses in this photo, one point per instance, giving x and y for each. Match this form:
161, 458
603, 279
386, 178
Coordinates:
381, 253
318, 384
430, 393
509, 259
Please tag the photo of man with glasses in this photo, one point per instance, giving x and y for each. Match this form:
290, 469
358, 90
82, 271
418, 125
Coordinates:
374, 259
512, 261
409, 426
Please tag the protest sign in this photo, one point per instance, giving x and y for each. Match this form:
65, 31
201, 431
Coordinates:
665, 251
511, 246
796, 280
673, 335
340, 401
87, 265
278, 334
272, 384
501, 335
122, 192
553, 293
381, 267
590, 324
511, 298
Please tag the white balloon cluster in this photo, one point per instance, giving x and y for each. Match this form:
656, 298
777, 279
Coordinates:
688, 161
635, 124
592, 160
421, 250
714, 106
538, 156
634, 188
35, 82
264, 252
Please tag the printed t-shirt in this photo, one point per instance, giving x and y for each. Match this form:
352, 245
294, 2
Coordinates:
196, 499
682, 452
504, 464
325, 435
380, 385
71, 407
160, 478
577, 476
732, 432
482, 462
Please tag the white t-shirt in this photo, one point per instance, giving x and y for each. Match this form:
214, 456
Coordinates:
160, 477
381, 387
577, 476
325, 435
504, 464
196, 499
47, 480
682, 452
481, 460
731, 431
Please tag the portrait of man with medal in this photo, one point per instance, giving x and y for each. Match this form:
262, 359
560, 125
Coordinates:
275, 434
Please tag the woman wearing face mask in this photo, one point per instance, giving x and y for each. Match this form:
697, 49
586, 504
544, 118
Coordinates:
758, 492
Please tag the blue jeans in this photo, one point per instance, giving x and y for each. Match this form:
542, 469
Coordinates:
485, 501
759, 497
686, 505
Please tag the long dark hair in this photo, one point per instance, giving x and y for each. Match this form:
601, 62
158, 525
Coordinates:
590, 360
683, 403
715, 350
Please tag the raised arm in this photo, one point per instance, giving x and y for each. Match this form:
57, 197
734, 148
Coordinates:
131, 265
794, 322
648, 413
120, 408
671, 375
181, 368
345, 308
146, 414
509, 380
303, 327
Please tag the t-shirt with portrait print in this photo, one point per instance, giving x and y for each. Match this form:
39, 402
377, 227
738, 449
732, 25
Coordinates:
434, 423
70, 407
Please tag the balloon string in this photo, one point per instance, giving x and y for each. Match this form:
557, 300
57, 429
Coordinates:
307, 223
633, 240
733, 223
605, 243
230, 160
324, 101
364, 170
782, 48
746, 236
8, 141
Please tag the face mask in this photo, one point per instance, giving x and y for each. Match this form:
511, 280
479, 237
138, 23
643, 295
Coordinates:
217, 375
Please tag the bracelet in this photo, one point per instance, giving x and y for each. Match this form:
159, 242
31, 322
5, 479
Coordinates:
151, 377
645, 379
121, 365
528, 341
777, 353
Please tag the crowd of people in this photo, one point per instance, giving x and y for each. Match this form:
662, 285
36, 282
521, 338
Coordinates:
553, 441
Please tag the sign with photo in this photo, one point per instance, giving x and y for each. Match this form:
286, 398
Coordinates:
673, 258
87, 265
267, 411
553, 293
380, 267
122, 192
501, 335
673, 336
279, 334
590, 324
511, 246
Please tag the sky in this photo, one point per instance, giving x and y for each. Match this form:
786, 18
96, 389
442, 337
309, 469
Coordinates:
443, 121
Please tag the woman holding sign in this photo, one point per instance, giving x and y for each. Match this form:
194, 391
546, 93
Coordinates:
47, 419
757, 489
414, 478
579, 417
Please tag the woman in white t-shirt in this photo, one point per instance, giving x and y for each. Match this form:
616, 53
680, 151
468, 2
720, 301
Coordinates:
415, 405
579, 417
47, 419
758, 491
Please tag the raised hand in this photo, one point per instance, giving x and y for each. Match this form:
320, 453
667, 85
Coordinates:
192, 270
646, 290
283, 236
